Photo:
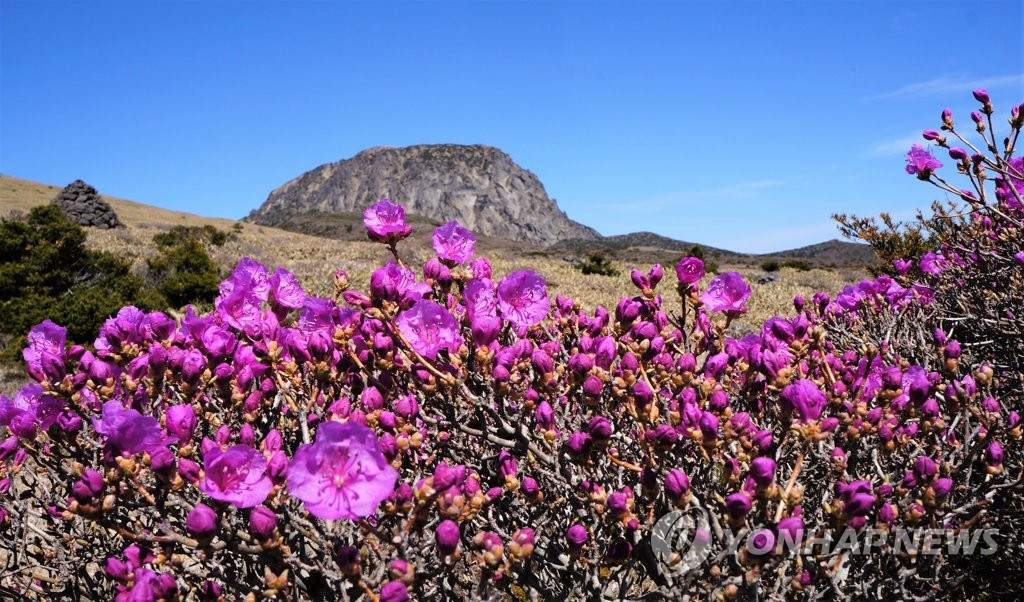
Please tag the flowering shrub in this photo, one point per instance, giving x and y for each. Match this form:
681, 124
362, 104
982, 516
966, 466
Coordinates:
464, 435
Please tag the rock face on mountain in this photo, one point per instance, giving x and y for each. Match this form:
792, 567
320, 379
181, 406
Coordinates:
84, 206
480, 186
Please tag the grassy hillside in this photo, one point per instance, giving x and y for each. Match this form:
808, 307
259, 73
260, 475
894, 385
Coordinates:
314, 259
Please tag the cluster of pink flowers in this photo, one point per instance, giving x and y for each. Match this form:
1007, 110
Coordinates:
462, 434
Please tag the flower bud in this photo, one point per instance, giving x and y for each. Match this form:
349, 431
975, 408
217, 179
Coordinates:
522, 543
578, 443
618, 503
246, 435
859, 504
394, 591
117, 568
262, 522
677, 486
619, 550
994, 454
531, 489
708, 426
402, 570
925, 468
947, 118
188, 470
763, 439
446, 536
348, 560
161, 461
600, 428
181, 422
662, 437
576, 536
791, 529
762, 470
737, 505
201, 521
507, 464
277, 466
592, 386
941, 487
448, 476
407, 407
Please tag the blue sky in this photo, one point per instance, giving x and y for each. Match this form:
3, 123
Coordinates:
741, 125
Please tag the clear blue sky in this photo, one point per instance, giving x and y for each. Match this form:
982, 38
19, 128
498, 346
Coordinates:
741, 125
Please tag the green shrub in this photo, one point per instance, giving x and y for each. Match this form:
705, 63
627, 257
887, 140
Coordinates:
208, 236
797, 264
184, 272
771, 266
890, 239
47, 272
597, 263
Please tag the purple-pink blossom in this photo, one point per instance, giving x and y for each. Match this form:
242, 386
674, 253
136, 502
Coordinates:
523, 298
429, 328
236, 475
396, 283
727, 292
921, 162
44, 356
689, 270
385, 222
933, 263
453, 243
342, 474
287, 292
805, 399
127, 431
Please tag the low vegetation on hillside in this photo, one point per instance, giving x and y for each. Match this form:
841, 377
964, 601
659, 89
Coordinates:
458, 431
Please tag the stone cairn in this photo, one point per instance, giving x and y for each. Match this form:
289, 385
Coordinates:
83, 205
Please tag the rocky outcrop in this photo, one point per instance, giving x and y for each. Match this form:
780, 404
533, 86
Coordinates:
480, 186
84, 206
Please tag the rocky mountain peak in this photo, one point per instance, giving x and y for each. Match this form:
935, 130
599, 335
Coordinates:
480, 186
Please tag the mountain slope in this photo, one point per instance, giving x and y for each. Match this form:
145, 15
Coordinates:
480, 186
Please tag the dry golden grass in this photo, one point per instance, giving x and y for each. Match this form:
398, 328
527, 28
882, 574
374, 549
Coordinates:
314, 259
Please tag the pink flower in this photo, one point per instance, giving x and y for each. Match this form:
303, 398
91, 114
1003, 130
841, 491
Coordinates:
429, 328
1010, 188
201, 521
921, 162
44, 356
396, 283
181, 422
342, 474
933, 263
446, 537
385, 222
286, 289
479, 298
249, 276
128, 431
236, 476
454, 243
727, 292
523, 298
690, 270
805, 399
